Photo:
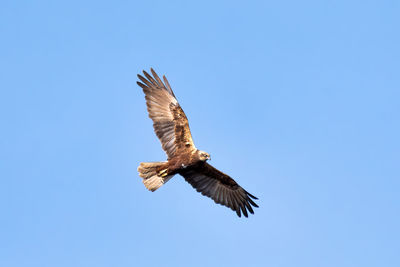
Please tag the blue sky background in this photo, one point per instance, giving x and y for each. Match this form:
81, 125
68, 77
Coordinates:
299, 101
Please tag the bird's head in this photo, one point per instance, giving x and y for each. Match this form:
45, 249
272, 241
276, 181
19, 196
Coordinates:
204, 155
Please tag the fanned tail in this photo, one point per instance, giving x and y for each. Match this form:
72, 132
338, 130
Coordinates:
151, 178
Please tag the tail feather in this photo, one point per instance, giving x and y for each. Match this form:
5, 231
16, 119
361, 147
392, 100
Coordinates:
151, 179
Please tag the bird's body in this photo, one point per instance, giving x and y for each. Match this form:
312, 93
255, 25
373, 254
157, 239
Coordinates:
172, 128
179, 163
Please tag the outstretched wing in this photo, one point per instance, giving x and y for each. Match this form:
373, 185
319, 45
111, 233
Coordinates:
170, 123
220, 187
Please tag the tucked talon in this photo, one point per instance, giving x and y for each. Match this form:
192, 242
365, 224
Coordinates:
163, 173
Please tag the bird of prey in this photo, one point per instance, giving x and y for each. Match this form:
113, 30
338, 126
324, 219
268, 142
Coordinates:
172, 128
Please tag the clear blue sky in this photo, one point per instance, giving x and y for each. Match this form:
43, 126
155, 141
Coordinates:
299, 101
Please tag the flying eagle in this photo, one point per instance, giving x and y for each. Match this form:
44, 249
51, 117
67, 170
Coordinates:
172, 128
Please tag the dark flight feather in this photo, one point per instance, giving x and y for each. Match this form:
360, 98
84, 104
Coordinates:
220, 187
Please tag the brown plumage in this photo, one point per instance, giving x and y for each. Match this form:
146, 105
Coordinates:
172, 128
